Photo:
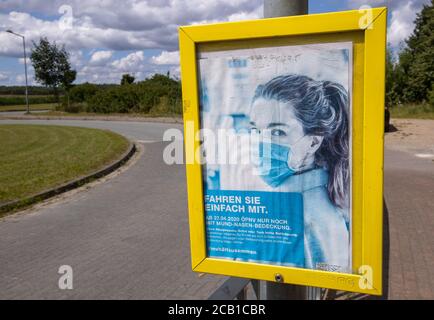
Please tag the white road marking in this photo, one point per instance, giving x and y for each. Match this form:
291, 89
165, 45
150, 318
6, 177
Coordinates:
424, 155
146, 141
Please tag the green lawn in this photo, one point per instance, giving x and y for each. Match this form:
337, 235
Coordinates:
34, 158
423, 111
41, 106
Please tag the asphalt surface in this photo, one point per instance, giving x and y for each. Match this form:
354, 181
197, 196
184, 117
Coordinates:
127, 238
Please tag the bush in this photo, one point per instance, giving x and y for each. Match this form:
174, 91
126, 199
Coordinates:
157, 95
167, 106
21, 100
78, 95
21, 90
160, 93
120, 99
101, 102
74, 107
82, 92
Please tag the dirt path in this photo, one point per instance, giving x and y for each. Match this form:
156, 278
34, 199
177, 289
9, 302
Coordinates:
413, 136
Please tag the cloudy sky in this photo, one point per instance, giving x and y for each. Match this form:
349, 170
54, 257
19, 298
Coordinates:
107, 38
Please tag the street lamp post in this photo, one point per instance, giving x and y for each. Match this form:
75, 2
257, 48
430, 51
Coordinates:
270, 290
25, 66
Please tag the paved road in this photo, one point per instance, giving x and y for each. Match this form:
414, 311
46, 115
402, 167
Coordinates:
129, 238
126, 239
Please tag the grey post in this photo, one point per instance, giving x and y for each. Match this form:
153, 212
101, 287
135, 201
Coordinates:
283, 8
25, 66
274, 290
25, 70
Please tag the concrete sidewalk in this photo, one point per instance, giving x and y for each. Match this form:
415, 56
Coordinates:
128, 238
409, 193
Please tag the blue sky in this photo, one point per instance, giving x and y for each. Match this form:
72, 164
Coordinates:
108, 38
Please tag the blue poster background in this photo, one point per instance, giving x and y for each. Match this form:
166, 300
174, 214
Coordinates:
256, 226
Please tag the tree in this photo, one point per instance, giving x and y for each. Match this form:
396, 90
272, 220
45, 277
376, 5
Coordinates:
416, 63
52, 66
389, 78
127, 79
67, 74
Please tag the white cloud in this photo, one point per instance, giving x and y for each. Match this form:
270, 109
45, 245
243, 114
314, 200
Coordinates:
146, 24
131, 25
402, 23
76, 58
258, 13
3, 77
402, 15
99, 58
372, 3
131, 63
166, 58
111, 26
138, 25
21, 61
21, 79
134, 63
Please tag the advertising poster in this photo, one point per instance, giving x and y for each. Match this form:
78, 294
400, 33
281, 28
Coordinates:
276, 144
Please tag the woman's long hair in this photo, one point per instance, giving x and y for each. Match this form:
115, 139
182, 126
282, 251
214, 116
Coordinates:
322, 108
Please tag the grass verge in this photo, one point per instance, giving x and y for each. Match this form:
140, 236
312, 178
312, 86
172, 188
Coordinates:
34, 158
54, 114
423, 111
41, 106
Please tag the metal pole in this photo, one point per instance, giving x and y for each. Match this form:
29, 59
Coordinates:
25, 66
272, 290
25, 70
283, 8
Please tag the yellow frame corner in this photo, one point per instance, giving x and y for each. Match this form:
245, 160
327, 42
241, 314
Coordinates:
369, 77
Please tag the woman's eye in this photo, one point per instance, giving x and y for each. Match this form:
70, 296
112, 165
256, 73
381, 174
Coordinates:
278, 133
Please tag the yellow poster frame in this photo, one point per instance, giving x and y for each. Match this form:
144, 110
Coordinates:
367, 141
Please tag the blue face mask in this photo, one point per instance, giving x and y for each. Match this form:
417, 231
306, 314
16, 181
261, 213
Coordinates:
271, 160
